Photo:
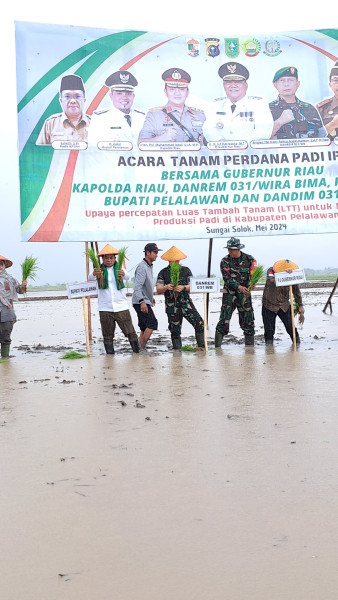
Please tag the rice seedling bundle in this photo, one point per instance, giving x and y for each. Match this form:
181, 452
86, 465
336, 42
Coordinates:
120, 261
29, 268
256, 275
96, 264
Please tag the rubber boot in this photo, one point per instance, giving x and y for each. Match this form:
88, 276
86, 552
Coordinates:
269, 341
177, 343
135, 346
249, 340
109, 346
218, 339
200, 339
5, 351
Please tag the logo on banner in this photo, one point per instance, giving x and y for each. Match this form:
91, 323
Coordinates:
193, 47
251, 47
272, 48
232, 47
212, 47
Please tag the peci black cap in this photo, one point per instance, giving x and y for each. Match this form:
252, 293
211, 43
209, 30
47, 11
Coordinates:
334, 70
71, 82
151, 247
121, 81
233, 71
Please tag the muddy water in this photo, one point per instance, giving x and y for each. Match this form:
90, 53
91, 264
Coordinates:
169, 476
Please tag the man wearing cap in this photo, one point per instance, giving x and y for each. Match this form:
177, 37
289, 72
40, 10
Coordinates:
236, 269
276, 303
112, 301
328, 109
143, 296
237, 116
9, 288
175, 121
120, 122
178, 303
72, 124
292, 117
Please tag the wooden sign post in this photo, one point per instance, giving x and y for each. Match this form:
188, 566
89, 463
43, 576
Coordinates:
83, 290
283, 278
206, 285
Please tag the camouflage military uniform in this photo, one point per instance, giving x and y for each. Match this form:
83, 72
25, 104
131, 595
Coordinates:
235, 272
182, 306
306, 124
328, 109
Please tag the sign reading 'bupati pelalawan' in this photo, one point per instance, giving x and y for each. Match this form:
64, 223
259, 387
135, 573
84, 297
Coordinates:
126, 132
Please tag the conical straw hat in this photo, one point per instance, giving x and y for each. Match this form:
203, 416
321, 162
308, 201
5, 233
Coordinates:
8, 263
108, 249
173, 254
282, 265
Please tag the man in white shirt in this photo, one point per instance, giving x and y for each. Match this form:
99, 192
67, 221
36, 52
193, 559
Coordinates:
121, 122
237, 116
112, 301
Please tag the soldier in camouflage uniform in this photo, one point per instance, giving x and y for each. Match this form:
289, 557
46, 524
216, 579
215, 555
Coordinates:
328, 109
292, 117
178, 303
236, 269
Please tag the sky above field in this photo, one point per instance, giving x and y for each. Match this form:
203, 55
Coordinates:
64, 262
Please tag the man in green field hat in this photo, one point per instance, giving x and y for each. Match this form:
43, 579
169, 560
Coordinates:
236, 269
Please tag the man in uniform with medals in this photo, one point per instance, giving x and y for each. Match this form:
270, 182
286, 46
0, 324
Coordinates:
328, 109
175, 121
237, 116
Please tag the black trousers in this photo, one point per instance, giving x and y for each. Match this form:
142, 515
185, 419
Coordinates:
269, 322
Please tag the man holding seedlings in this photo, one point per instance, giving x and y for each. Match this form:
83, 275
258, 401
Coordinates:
9, 288
112, 301
143, 296
236, 269
174, 282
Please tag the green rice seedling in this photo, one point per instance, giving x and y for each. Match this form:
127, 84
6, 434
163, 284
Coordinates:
256, 275
92, 256
29, 268
71, 355
120, 260
187, 348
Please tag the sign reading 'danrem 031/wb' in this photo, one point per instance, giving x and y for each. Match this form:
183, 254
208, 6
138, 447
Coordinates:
126, 132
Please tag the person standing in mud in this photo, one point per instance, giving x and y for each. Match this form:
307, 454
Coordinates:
112, 301
178, 303
143, 296
9, 288
236, 269
276, 303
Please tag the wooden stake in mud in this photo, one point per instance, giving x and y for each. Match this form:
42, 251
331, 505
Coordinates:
293, 319
86, 323
205, 321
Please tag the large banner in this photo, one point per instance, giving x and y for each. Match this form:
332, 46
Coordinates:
126, 135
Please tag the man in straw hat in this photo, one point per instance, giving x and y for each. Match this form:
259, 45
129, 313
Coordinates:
178, 303
112, 301
143, 296
276, 302
9, 288
72, 124
236, 269
328, 109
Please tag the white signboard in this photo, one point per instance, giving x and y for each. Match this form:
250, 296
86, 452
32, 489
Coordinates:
205, 284
284, 278
79, 290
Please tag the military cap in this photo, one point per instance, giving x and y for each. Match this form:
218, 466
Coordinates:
71, 82
234, 244
334, 70
285, 72
8, 263
121, 81
233, 71
151, 247
176, 78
